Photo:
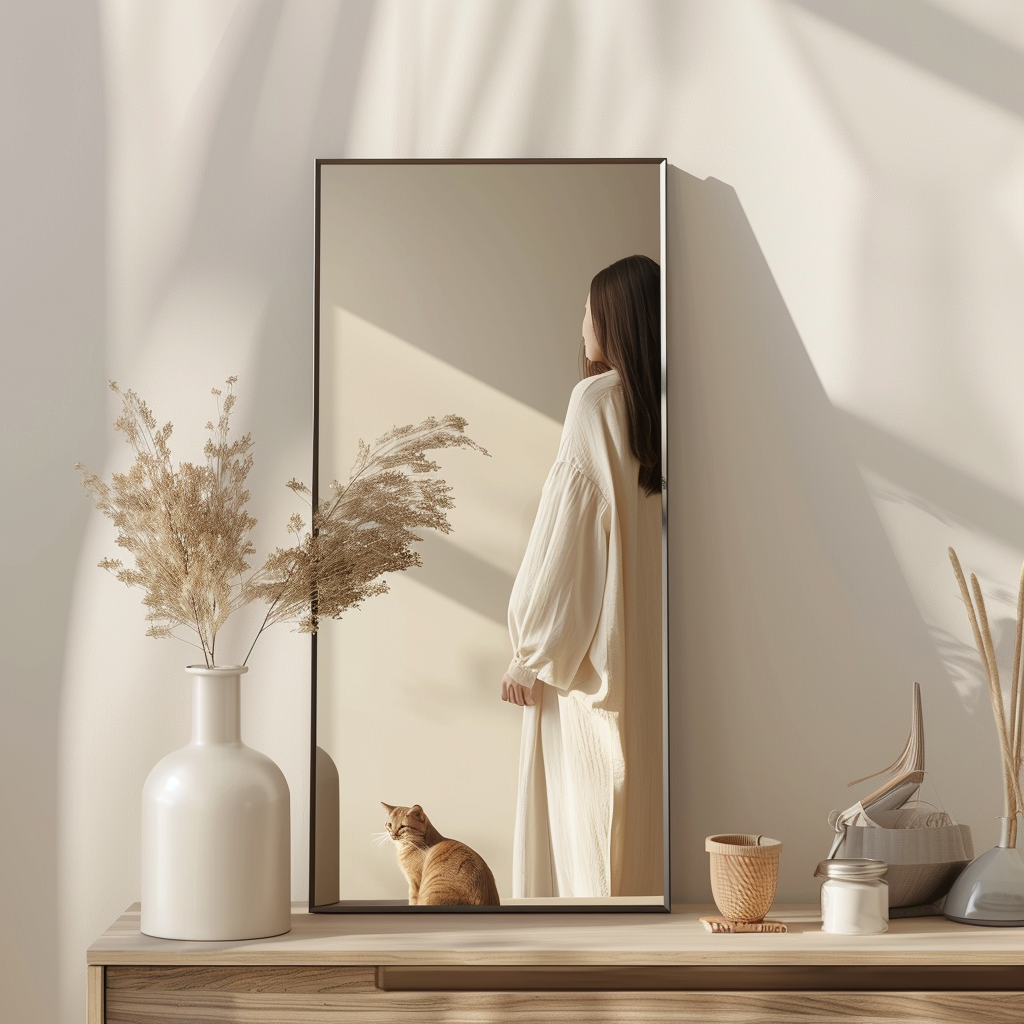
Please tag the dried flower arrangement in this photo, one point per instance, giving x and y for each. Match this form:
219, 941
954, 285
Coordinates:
1008, 726
187, 527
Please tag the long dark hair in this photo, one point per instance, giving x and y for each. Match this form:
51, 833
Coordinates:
625, 306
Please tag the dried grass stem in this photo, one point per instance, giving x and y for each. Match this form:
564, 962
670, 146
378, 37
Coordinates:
187, 527
1008, 732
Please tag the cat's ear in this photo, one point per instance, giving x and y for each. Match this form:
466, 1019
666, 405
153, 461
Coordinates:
387, 807
417, 812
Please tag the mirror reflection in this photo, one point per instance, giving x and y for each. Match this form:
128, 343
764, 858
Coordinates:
489, 731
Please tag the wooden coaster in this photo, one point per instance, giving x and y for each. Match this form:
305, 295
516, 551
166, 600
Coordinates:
717, 925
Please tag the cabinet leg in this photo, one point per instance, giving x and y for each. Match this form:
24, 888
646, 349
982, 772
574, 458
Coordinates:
96, 1013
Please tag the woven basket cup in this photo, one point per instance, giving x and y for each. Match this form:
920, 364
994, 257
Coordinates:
744, 875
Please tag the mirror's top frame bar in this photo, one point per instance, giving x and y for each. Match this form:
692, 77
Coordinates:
487, 160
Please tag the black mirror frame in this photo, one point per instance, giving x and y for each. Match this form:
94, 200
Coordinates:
361, 907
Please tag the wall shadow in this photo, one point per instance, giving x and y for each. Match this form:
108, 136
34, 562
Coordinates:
53, 305
796, 638
938, 488
464, 577
935, 40
249, 222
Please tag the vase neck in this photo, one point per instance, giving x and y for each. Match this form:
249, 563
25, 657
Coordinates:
1007, 836
216, 709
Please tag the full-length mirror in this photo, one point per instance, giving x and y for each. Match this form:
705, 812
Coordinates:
489, 733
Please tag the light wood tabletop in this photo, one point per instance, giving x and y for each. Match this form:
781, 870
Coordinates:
618, 940
560, 969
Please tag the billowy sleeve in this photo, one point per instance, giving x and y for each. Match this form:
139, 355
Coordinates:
558, 595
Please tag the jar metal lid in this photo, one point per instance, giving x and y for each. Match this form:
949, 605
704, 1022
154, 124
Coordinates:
852, 869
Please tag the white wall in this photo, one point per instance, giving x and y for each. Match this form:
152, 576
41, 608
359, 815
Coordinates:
845, 381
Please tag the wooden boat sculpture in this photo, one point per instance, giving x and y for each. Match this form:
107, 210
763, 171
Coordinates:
925, 850
907, 771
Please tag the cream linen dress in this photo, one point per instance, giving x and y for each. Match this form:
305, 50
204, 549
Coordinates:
585, 620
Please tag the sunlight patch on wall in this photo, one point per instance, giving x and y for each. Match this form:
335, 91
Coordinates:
411, 712
378, 381
432, 651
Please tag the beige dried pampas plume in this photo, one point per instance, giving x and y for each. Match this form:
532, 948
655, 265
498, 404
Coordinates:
187, 527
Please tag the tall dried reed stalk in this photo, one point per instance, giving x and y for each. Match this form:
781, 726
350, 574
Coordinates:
1008, 721
187, 526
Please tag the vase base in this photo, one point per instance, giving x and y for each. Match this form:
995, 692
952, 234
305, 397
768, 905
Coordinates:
990, 892
240, 935
216, 829
985, 923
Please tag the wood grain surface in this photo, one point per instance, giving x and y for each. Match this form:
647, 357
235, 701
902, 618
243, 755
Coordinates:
705, 978
566, 940
95, 1012
326, 995
561, 969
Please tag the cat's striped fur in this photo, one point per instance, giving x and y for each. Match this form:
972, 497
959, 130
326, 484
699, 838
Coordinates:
440, 871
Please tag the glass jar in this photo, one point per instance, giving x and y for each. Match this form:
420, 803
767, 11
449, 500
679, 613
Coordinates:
854, 896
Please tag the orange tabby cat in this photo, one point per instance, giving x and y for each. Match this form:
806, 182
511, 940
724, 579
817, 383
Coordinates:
440, 872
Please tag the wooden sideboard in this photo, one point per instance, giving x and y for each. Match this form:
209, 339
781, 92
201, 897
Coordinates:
565, 968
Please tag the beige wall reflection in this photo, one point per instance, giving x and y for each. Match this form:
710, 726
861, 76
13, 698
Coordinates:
408, 685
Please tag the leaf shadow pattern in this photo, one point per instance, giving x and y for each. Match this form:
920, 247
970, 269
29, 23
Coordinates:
963, 662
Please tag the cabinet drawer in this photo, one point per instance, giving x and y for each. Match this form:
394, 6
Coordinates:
350, 995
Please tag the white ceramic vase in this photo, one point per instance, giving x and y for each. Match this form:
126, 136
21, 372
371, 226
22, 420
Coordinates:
216, 832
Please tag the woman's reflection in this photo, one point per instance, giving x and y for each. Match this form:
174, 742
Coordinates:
585, 619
